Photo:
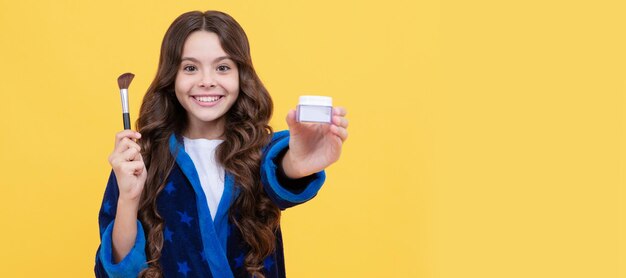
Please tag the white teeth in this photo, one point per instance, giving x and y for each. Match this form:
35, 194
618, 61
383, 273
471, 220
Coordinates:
208, 98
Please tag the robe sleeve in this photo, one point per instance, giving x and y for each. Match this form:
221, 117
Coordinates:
284, 192
135, 260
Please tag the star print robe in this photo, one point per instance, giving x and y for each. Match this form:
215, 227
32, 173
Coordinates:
195, 245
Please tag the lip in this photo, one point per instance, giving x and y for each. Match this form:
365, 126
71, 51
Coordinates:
207, 104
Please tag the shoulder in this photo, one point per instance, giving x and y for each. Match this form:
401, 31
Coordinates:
279, 139
280, 135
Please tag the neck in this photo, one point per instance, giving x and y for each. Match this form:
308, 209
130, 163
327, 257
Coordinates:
207, 130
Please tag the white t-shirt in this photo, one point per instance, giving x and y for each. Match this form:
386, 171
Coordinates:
202, 153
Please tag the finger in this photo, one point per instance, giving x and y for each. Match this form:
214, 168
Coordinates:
291, 118
126, 134
117, 160
133, 167
340, 121
339, 131
339, 111
131, 154
120, 147
125, 144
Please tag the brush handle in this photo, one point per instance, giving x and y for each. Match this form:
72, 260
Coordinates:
125, 115
126, 118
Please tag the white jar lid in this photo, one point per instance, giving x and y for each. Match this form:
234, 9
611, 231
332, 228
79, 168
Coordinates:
316, 100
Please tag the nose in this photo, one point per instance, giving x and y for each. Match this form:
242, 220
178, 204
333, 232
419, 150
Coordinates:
207, 81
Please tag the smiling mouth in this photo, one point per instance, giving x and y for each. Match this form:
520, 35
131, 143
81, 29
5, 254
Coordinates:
207, 99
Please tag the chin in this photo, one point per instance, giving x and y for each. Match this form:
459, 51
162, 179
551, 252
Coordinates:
210, 118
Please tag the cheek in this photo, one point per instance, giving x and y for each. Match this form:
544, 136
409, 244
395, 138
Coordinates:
232, 84
182, 85
181, 89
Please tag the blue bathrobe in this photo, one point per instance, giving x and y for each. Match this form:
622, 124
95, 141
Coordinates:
194, 244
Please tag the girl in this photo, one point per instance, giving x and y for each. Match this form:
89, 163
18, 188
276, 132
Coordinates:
198, 191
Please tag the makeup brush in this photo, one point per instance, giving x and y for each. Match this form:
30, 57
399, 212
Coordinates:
124, 81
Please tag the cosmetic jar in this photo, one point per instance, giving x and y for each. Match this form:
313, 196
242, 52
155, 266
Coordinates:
315, 109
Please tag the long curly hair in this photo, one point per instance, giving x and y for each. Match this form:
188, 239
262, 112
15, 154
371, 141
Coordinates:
246, 131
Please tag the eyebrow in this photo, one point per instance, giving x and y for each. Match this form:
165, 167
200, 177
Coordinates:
198, 61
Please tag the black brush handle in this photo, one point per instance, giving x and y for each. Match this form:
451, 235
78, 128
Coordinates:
126, 117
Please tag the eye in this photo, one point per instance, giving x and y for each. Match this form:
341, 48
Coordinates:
190, 68
223, 68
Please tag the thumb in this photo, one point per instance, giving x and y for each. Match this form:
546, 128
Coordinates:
291, 119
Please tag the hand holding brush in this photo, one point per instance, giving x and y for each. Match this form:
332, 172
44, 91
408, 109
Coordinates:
131, 174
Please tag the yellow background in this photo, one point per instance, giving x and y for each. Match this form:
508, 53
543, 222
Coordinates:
486, 137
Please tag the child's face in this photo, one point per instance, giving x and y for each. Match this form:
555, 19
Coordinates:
207, 81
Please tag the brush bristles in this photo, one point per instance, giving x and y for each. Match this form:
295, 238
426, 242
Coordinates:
124, 80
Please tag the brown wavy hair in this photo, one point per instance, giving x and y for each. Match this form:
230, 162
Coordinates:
246, 131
